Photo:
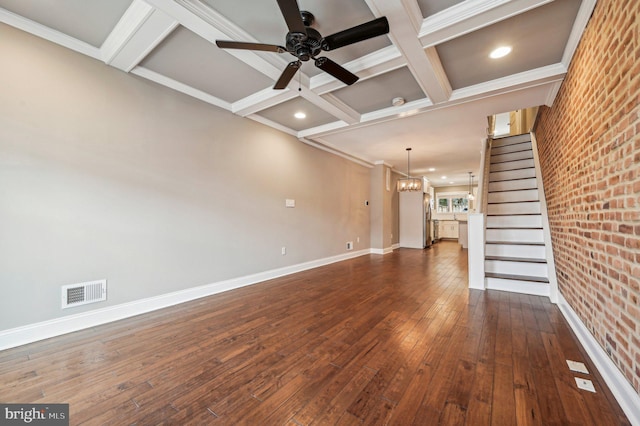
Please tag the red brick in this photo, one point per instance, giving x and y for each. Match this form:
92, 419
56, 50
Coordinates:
589, 149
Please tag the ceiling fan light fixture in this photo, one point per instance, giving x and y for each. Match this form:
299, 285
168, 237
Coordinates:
500, 52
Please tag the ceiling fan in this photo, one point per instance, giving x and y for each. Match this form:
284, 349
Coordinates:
306, 43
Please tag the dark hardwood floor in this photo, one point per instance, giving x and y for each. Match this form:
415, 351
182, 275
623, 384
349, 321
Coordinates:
395, 339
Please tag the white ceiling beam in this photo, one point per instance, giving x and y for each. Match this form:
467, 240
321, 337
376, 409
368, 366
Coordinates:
49, 34
180, 87
138, 32
212, 26
371, 65
531, 78
331, 105
262, 100
469, 16
427, 72
549, 75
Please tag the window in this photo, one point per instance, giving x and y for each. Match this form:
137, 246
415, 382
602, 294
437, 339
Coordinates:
452, 202
443, 205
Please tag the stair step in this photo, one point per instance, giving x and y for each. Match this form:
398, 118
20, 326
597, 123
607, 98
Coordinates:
523, 146
518, 285
510, 140
517, 277
512, 156
512, 165
514, 249
516, 268
527, 207
513, 185
513, 196
516, 259
514, 221
512, 174
515, 235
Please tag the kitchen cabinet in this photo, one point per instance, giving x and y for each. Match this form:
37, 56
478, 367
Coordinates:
448, 229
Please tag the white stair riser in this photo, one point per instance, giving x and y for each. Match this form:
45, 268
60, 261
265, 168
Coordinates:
517, 268
513, 156
532, 207
516, 286
510, 140
525, 221
511, 185
515, 235
512, 174
513, 196
512, 165
509, 250
510, 148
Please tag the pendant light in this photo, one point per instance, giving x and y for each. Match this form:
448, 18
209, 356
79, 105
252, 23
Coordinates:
409, 183
470, 196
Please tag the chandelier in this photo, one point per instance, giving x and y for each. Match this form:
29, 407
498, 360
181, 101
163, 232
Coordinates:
409, 183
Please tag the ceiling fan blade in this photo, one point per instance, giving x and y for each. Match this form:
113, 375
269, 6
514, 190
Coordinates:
339, 72
287, 75
224, 44
361, 32
291, 13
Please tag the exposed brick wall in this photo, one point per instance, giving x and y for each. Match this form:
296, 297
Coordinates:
589, 145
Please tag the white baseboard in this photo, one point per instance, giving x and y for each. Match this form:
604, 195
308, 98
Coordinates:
18, 336
385, 250
622, 390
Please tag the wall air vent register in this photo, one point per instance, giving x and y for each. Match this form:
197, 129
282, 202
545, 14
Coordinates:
84, 293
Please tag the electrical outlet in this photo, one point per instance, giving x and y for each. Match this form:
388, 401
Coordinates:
349, 245
284, 251
578, 367
585, 384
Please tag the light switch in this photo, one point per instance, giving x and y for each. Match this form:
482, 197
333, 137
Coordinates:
290, 203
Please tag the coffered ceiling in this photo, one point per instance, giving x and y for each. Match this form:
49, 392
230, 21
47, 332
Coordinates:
435, 57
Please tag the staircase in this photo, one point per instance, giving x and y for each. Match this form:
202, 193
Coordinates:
515, 252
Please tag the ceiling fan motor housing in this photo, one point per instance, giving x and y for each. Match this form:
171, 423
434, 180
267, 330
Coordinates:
304, 49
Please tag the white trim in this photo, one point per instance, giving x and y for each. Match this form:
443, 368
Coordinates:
622, 390
517, 286
476, 250
134, 18
180, 87
329, 148
546, 229
43, 330
383, 251
50, 34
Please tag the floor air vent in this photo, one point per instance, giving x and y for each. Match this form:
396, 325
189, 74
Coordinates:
83, 293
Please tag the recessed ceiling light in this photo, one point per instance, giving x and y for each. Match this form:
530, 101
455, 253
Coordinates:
443, 177
451, 183
431, 169
300, 115
500, 52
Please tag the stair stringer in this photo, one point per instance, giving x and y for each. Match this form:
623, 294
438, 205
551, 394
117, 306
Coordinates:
546, 230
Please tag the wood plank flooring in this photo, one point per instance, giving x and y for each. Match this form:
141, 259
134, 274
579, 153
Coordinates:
395, 339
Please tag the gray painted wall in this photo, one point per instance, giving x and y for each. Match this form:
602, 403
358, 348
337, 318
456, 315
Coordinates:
106, 175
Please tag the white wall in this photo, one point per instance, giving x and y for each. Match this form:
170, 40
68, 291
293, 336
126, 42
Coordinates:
106, 175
